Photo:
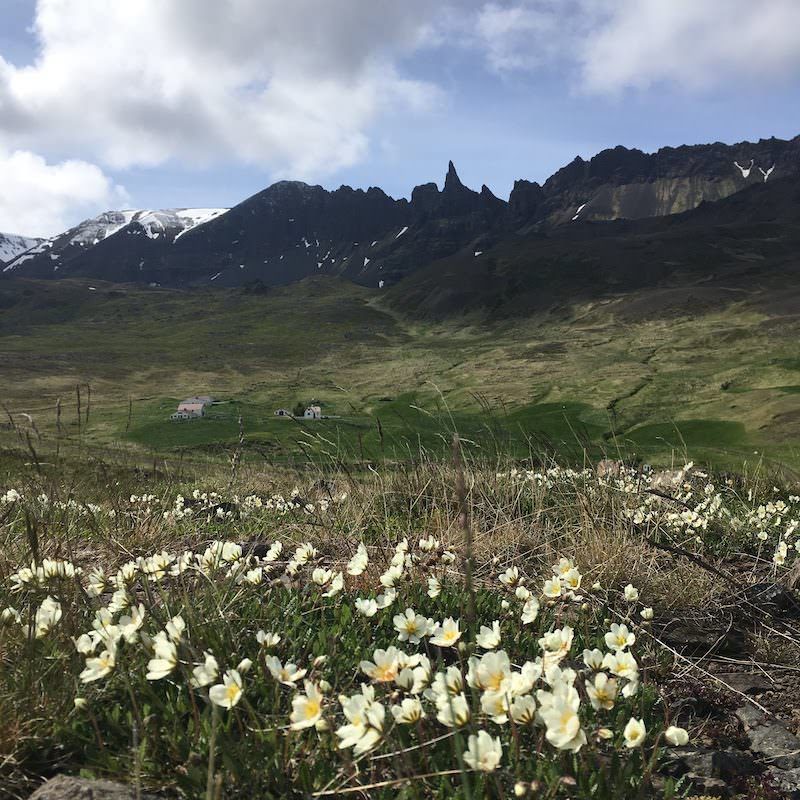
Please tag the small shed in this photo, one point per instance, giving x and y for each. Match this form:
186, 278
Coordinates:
283, 412
313, 412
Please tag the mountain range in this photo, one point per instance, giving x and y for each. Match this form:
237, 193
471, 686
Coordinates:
623, 218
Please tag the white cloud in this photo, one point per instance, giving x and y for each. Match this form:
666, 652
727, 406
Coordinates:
37, 198
613, 45
291, 87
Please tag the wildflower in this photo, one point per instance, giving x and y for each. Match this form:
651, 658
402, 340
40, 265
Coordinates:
631, 593
489, 638
556, 644
79, 703
206, 672
564, 566
287, 674
267, 639
367, 607
391, 576
446, 684
176, 628
490, 672
47, 616
453, 711
228, 693
434, 587
523, 710
483, 752
85, 644
605, 733
646, 613
429, 544
448, 557
408, 712
336, 585
619, 638
446, 634
530, 611
129, 624
165, 657
572, 579
510, 578
244, 666
306, 708
99, 667
387, 598
495, 706
358, 563
634, 732
385, 667
593, 659
676, 736
622, 664
552, 588
411, 627
9, 616
254, 576
563, 725
602, 691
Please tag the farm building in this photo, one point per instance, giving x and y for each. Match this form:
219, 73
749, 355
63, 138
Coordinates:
313, 412
283, 412
192, 407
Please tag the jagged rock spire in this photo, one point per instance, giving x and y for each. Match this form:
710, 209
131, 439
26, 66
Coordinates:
452, 181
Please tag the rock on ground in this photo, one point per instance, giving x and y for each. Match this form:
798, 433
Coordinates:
64, 787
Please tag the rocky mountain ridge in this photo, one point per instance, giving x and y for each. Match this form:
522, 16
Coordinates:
292, 230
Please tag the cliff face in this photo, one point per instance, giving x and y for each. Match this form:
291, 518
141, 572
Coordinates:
630, 184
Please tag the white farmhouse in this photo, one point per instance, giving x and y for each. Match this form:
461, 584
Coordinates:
313, 412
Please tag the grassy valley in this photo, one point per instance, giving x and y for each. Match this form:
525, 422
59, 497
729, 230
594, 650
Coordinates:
719, 383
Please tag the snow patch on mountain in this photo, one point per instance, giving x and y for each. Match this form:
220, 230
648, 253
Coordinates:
12, 245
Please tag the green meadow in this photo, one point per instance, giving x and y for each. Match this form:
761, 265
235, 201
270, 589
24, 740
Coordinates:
581, 381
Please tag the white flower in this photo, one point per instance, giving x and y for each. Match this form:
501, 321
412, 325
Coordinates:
490, 672
287, 674
228, 693
408, 712
387, 598
165, 657
207, 672
47, 616
385, 667
523, 710
129, 624
552, 588
366, 606
631, 593
563, 725
267, 639
510, 577
434, 587
647, 613
602, 691
556, 645
530, 611
336, 585
306, 708
358, 563
244, 666
676, 736
411, 627
446, 634
99, 667
619, 638
489, 638
452, 710
634, 732
593, 659
176, 628
483, 752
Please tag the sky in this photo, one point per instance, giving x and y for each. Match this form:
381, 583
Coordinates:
176, 103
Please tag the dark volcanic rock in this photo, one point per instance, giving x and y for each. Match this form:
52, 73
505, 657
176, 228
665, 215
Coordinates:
769, 739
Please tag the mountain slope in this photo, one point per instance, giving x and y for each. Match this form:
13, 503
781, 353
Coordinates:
12, 245
749, 239
126, 238
292, 230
